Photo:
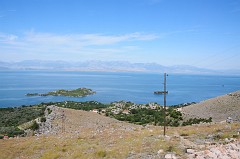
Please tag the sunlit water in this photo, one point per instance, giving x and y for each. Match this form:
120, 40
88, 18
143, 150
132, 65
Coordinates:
134, 87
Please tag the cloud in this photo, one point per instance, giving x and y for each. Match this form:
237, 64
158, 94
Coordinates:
86, 39
7, 38
39, 45
82, 40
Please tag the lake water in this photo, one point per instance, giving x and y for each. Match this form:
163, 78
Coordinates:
134, 87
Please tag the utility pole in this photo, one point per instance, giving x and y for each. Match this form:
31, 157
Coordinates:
165, 102
63, 121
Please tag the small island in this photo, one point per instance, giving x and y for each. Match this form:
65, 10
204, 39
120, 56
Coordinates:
161, 92
80, 92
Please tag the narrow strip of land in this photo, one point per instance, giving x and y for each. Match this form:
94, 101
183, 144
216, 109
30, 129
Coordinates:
80, 92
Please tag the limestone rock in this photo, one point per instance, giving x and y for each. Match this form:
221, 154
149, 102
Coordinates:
190, 151
170, 156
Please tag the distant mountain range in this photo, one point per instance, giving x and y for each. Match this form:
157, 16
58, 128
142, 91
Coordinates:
106, 66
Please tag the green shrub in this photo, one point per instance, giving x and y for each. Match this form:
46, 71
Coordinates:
35, 126
235, 136
196, 121
43, 119
11, 131
49, 110
183, 134
101, 154
170, 149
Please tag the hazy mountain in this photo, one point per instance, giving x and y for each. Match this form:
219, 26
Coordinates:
110, 66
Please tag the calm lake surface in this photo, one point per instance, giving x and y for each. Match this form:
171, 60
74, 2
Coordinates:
110, 87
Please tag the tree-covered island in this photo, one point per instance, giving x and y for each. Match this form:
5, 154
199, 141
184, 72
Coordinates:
80, 92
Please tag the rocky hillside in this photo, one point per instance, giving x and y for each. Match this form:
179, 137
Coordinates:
69, 133
63, 120
219, 108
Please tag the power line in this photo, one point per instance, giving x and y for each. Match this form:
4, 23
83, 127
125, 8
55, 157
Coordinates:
223, 59
214, 57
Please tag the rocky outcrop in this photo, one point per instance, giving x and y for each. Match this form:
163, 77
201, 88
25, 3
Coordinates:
51, 126
220, 151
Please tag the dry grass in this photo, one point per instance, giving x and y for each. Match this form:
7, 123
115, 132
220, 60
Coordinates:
105, 145
93, 136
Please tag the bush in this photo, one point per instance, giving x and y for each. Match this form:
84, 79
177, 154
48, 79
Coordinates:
16, 132
101, 154
43, 119
1, 137
183, 134
11, 131
196, 121
35, 126
49, 110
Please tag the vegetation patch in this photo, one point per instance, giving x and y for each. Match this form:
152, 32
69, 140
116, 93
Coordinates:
87, 106
80, 92
151, 113
196, 121
11, 118
101, 154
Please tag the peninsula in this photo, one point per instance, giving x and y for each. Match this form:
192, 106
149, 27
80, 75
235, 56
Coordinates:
79, 92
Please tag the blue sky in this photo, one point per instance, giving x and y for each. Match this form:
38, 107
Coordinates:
202, 33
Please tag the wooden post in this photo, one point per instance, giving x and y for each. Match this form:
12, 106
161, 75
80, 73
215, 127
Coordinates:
165, 102
63, 121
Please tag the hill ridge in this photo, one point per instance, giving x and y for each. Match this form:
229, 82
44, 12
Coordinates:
219, 108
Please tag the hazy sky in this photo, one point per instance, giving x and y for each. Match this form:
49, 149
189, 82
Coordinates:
203, 33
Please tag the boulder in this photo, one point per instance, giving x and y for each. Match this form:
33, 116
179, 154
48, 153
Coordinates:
229, 120
170, 156
190, 151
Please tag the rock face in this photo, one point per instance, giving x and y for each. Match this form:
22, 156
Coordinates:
228, 151
50, 126
219, 108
